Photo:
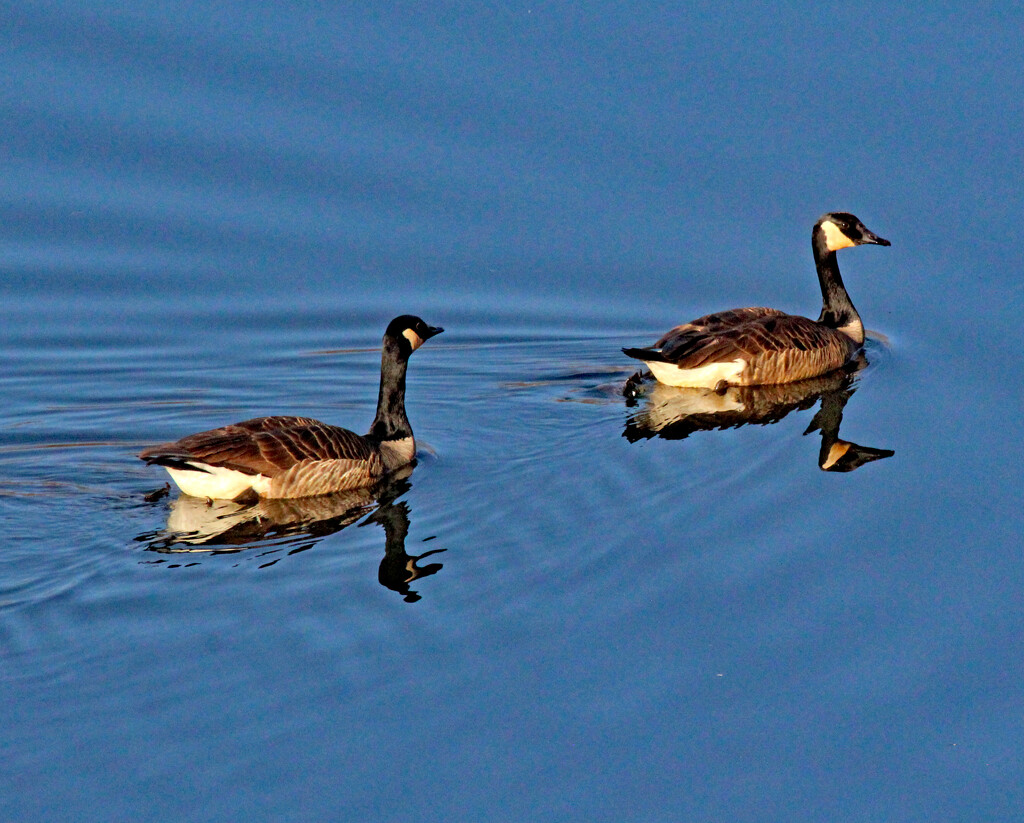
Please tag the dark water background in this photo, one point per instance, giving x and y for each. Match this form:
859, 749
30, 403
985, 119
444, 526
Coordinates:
210, 211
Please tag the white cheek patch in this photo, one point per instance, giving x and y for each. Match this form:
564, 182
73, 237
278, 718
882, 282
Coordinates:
413, 338
834, 237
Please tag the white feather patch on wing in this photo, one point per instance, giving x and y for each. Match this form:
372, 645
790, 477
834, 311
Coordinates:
217, 482
702, 377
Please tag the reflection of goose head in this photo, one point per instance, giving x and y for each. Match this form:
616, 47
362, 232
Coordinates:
673, 413
844, 456
837, 455
398, 569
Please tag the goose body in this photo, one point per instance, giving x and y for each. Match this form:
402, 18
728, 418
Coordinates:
289, 457
761, 346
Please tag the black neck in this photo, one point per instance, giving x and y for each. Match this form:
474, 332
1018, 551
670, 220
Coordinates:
837, 309
830, 416
391, 422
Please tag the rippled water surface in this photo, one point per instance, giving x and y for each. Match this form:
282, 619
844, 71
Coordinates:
578, 604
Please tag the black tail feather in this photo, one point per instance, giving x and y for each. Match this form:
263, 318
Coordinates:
172, 461
644, 354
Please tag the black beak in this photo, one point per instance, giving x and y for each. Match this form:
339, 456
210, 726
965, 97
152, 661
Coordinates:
871, 237
435, 330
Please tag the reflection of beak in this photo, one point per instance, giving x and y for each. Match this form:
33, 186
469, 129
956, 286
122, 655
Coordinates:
435, 330
871, 237
845, 456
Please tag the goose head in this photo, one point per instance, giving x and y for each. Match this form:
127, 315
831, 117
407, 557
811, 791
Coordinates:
842, 230
408, 332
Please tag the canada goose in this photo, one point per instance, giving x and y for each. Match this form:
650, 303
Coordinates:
759, 346
280, 457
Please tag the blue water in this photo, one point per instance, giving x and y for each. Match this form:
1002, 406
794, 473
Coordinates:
210, 212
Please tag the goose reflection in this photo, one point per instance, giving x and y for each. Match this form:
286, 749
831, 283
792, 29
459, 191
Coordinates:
197, 526
675, 413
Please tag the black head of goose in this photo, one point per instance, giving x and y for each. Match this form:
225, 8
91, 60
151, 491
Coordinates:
761, 346
286, 457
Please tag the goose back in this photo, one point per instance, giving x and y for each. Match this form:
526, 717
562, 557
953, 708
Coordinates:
275, 456
762, 346
267, 445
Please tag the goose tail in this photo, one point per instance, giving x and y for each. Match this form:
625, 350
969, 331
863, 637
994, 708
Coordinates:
646, 355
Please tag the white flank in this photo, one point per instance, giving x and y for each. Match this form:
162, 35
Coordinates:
706, 377
217, 483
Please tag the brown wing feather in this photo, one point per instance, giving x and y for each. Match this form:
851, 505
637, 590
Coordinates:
268, 445
719, 321
313, 477
778, 347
